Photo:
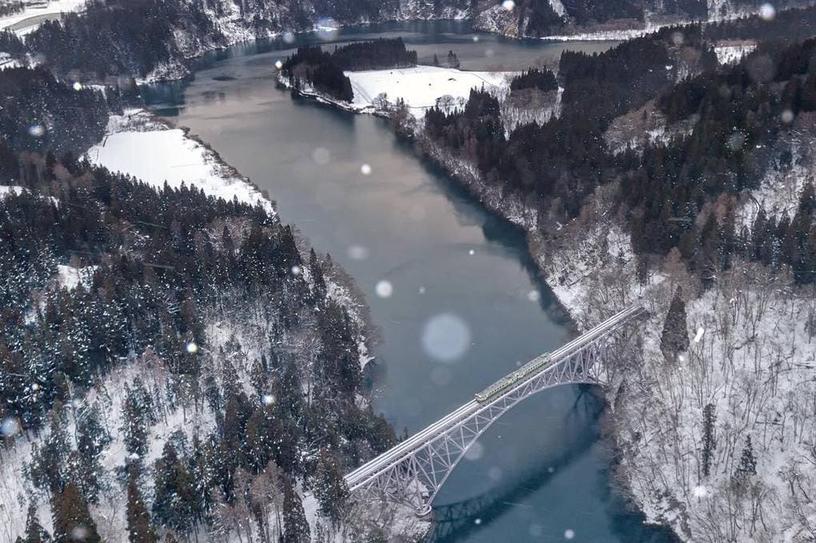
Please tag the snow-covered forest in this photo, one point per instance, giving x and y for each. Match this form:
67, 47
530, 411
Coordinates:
173, 364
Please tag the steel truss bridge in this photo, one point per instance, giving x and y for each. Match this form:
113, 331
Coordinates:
415, 470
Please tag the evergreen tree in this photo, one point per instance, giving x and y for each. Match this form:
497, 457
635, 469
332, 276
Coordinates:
330, 487
34, 532
134, 417
72, 520
709, 444
319, 283
295, 525
747, 464
138, 519
674, 339
48, 463
174, 501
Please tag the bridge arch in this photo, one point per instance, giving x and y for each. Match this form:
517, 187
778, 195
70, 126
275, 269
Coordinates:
415, 470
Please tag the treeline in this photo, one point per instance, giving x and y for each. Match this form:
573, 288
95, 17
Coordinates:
377, 54
39, 113
10, 8
314, 66
787, 25
543, 80
324, 70
10, 43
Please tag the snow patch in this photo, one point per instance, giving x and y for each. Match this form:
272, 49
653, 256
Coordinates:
420, 87
733, 53
69, 277
138, 145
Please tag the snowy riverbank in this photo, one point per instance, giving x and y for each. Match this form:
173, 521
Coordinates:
139, 145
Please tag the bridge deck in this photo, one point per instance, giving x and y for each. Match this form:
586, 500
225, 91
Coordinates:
372, 468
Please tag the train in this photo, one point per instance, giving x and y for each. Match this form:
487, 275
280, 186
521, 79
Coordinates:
514, 378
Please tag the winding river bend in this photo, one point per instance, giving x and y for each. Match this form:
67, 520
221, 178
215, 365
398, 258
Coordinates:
464, 305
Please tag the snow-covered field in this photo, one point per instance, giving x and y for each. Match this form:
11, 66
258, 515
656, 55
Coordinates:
5, 190
421, 87
733, 53
156, 154
31, 16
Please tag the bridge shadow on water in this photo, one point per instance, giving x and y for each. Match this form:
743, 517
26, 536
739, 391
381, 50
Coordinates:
455, 522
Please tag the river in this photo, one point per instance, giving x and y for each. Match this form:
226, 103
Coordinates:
452, 291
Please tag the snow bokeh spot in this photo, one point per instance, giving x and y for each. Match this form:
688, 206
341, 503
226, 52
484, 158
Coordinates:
268, 399
279, 64
477, 521
787, 116
321, 155
296, 270
700, 491
384, 289
192, 348
9, 427
77, 86
569, 533
534, 295
79, 533
446, 337
365, 169
289, 37
767, 11
36, 130
357, 252
475, 452
327, 28
509, 5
